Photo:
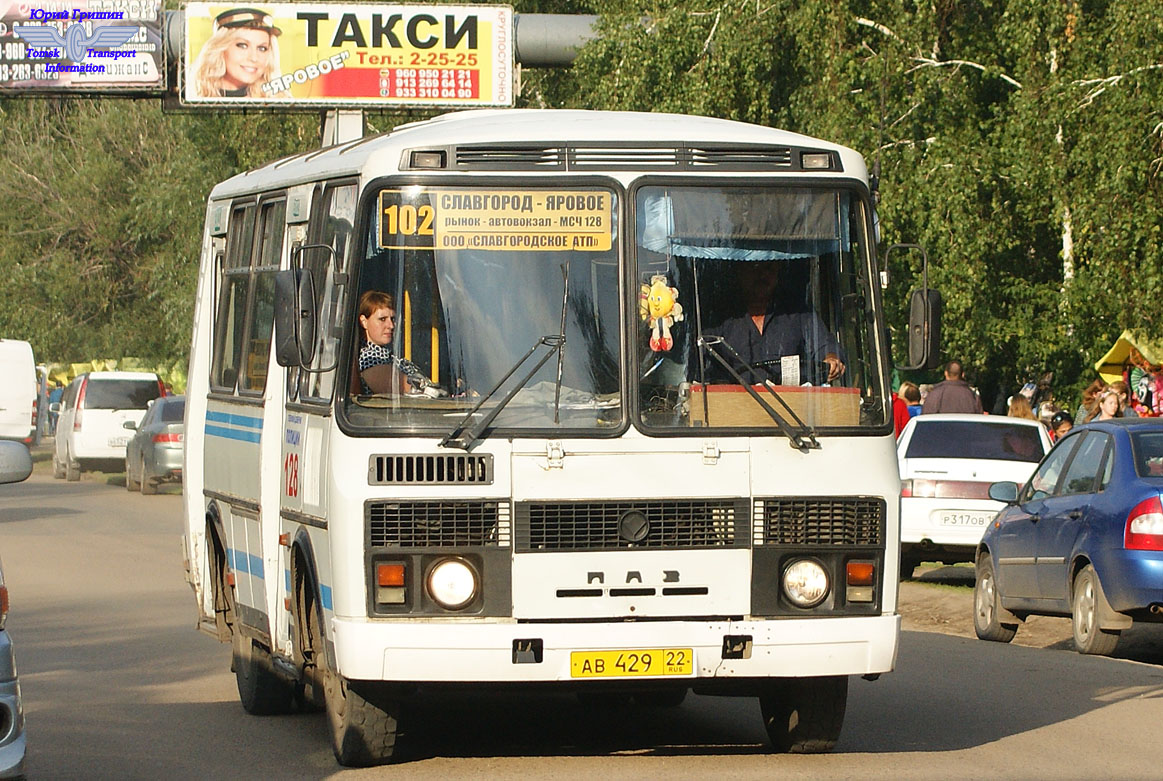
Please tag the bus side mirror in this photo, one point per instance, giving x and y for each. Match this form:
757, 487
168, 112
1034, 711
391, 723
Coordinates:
924, 329
288, 347
925, 306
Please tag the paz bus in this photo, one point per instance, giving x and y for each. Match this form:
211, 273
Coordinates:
591, 485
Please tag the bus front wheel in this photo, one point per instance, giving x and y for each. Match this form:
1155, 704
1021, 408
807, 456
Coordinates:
363, 724
804, 715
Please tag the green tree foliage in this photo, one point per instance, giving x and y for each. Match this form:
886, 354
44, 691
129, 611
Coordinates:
1020, 142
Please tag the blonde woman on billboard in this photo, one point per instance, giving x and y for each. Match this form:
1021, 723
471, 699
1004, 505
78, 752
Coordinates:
241, 55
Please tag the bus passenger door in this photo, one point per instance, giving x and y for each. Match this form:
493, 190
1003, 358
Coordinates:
242, 442
307, 419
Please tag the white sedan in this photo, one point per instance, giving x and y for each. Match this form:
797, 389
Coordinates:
947, 463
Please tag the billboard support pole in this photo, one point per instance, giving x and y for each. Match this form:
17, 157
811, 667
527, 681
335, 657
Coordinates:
341, 125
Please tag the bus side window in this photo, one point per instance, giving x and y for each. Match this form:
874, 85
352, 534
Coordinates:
331, 224
230, 322
261, 312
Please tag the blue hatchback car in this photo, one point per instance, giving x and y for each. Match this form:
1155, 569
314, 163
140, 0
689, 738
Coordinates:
1083, 538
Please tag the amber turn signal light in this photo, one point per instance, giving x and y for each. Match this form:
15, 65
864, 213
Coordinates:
389, 574
861, 573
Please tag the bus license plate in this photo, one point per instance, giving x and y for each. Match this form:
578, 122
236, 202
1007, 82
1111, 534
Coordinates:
619, 664
118, 441
966, 519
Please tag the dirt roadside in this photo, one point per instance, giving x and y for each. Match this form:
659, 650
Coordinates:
940, 599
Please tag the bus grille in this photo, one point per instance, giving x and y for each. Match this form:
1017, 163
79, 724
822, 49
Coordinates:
819, 521
430, 469
438, 524
631, 525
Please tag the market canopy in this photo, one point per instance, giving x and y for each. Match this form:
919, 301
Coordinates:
1110, 366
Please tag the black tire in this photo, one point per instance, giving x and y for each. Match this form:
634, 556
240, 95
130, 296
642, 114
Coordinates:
148, 486
72, 469
1089, 638
261, 691
363, 726
58, 469
986, 605
130, 483
908, 564
804, 715
663, 698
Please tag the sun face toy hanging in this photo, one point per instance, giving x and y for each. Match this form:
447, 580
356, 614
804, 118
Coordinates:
659, 307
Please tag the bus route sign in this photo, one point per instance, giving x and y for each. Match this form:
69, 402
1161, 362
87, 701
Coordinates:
497, 220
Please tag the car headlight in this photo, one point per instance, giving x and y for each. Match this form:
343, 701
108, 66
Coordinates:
452, 583
805, 583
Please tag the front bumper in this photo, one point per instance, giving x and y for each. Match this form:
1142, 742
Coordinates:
448, 651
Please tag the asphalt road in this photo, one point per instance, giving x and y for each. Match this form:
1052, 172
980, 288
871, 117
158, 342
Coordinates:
117, 683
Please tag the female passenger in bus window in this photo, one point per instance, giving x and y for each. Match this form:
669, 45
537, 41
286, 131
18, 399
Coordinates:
381, 371
241, 55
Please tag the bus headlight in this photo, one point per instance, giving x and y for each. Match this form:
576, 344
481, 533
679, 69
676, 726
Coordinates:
452, 583
805, 583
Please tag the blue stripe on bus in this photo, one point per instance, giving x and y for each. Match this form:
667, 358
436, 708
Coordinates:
241, 561
231, 433
324, 591
235, 420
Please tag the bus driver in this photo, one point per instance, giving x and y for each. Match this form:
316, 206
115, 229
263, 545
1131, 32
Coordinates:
763, 336
381, 371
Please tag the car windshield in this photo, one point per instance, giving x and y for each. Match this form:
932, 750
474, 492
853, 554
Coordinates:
471, 290
120, 394
968, 439
1148, 448
776, 282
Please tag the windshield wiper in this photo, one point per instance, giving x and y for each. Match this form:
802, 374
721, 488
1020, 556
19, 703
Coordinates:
463, 435
802, 436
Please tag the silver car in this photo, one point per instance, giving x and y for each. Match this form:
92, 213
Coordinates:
15, 465
154, 454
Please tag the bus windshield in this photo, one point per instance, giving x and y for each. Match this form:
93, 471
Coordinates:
482, 283
755, 290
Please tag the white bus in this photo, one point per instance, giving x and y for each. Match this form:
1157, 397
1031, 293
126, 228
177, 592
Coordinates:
629, 433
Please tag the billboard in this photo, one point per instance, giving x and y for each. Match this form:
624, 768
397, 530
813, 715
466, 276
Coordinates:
81, 46
358, 55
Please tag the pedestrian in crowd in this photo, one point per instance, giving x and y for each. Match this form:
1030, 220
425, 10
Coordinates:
1046, 412
1060, 425
54, 396
1089, 400
1107, 406
912, 396
952, 395
1120, 387
900, 413
1146, 384
1019, 407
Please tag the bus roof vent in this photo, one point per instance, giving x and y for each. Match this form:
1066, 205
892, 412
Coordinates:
509, 157
430, 469
624, 157
742, 157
